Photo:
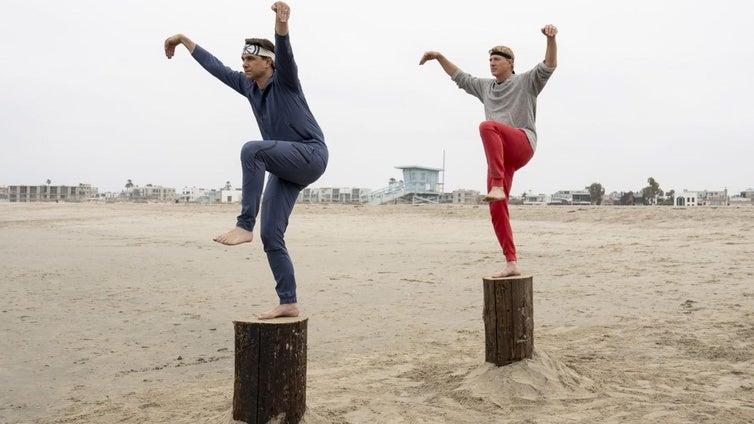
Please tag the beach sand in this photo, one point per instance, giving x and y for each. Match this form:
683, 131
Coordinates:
122, 313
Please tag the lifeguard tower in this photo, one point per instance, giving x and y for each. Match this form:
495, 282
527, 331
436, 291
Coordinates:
420, 184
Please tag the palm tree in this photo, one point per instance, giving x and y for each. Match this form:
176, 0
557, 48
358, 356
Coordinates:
129, 184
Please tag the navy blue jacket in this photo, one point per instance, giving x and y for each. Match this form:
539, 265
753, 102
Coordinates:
280, 107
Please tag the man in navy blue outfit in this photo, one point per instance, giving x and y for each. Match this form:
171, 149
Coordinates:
292, 151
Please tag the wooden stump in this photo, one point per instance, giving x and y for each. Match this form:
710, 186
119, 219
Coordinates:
508, 319
270, 374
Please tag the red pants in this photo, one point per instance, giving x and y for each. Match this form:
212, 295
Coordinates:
507, 150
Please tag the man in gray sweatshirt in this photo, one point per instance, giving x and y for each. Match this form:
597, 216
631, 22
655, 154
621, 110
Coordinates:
292, 151
508, 134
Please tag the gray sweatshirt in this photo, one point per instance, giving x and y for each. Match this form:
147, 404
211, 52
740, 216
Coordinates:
514, 102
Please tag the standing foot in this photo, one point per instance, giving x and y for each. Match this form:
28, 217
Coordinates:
235, 236
282, 310
496, 194
511, 269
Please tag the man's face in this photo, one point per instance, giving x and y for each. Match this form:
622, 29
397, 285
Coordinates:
254, 66
500, 66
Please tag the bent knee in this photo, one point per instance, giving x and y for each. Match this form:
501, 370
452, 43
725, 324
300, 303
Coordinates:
487, 125
250, 148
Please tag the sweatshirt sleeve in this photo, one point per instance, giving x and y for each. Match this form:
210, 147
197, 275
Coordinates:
469, 83
539, 76
233, 79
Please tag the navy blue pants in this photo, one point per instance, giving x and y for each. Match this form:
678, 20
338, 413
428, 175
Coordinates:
292, 165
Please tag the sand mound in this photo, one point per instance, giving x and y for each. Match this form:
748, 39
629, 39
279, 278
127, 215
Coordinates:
535, 379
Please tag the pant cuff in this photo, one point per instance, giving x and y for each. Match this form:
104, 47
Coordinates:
245, 225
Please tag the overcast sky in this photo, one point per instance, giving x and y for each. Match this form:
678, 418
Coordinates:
643, 89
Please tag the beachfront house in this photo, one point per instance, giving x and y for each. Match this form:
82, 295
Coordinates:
230, 195
149, 193
199, 195
581, 197
332, 194
463, 196
536, 199
687, 198
703, 198
51, 193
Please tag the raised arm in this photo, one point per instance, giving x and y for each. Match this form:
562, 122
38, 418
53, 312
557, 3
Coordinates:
551, 54
449, 67
282, 13
175, 40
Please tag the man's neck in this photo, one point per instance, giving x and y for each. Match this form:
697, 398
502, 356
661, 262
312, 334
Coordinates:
501, 79
262, 81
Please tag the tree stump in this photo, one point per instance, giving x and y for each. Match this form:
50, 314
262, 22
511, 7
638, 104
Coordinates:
508, 319
270, 370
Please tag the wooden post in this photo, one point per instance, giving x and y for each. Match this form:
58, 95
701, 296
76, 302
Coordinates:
508, 319
270, 374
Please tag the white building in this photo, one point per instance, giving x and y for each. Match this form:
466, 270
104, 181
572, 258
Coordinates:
537, 199
230, 196
687, 198
332, 194
570, 197
50, 193
469, 197
738, 200
703, 198
192, 194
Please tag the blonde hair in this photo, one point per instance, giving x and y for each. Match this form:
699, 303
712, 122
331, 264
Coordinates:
503, 49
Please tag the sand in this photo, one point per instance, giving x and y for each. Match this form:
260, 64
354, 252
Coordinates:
122, 313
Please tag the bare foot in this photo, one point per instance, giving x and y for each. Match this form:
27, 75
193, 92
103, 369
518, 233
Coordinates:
496, 194
511, 269
283, 310
235, 236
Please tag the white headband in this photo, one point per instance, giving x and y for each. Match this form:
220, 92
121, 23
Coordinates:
258, 51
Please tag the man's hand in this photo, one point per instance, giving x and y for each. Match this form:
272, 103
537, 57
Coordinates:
447, 65
170, 44
429, 56
550, 31
175, 40
282, 10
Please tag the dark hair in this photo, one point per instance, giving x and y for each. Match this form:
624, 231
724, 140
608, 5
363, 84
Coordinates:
261, 42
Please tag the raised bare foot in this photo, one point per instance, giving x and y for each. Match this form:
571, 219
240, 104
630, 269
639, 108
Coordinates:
496, 194
511, 269
283, 310
235, 236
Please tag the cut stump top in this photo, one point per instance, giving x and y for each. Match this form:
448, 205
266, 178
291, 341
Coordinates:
512, 277
272, 321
